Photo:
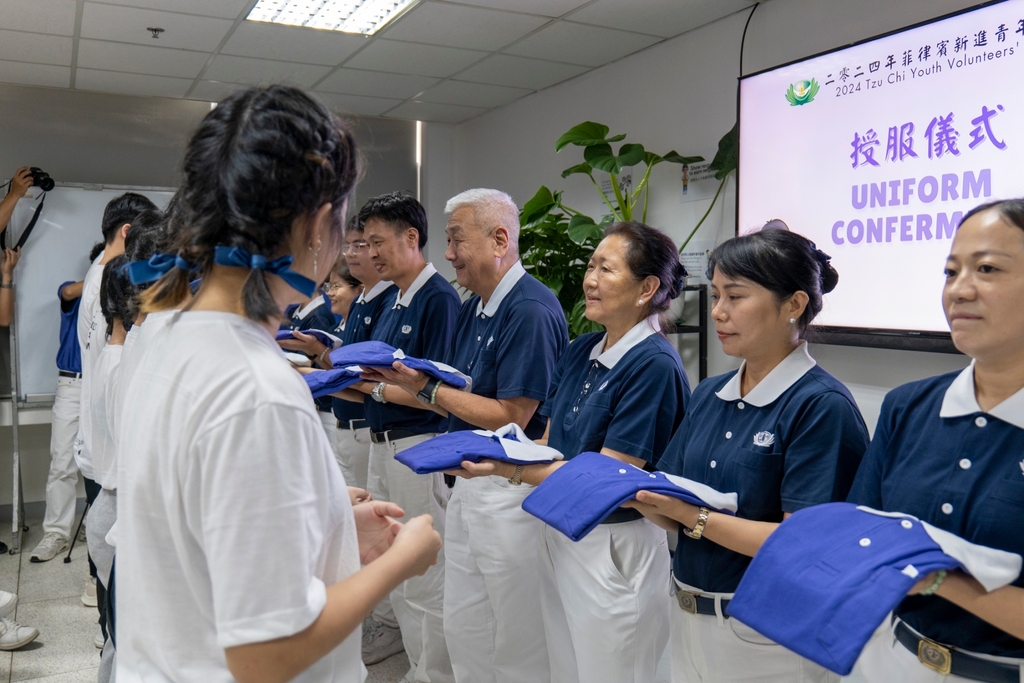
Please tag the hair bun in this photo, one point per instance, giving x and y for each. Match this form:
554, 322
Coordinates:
679, 273
829, 278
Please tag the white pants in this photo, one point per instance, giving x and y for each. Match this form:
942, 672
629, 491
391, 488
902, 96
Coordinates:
718, 649
419, 602
885, 659
612, 588
62, 481
101, 517
352, 449
492, 605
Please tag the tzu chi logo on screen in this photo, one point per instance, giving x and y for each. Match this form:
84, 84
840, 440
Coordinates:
802, 92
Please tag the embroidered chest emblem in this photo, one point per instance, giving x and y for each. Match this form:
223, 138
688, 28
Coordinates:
367, 320
406, 329
764, 439
601, 388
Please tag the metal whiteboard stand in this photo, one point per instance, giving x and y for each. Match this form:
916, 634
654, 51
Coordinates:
18, 498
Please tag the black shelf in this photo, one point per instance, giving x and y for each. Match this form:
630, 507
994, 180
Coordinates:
700, 329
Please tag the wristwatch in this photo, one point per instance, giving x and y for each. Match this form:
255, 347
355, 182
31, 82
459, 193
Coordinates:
517, 478
428, 394
378, 392
698, 529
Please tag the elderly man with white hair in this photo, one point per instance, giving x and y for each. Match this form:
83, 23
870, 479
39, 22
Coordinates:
508, 338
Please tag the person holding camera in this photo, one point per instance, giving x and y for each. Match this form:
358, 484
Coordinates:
19, 185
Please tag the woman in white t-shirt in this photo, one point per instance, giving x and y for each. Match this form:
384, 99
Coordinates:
239, 550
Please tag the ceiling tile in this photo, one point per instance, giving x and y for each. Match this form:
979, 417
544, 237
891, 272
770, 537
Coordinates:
228, 9
413, 58
521, 72
128, 25
131, 84
459, 26
579, 44
35, 74
429, 111
139, 59
214, 91
291, 43
666, 18
33, 47
357, 104
247, 70
375, 84
472, 94
56, 17
547, 8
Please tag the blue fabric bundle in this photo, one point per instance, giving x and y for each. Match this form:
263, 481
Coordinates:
376, 354
324, 382
448, 451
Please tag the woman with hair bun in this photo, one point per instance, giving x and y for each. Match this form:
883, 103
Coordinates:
239, 548
780, 432
621, 392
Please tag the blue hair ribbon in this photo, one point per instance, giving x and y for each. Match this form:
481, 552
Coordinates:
142, 272
281, 267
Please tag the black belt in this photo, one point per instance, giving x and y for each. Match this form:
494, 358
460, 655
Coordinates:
325, 408
352, 424
949, 660
391, 435
622, 515
72, 375
699, 604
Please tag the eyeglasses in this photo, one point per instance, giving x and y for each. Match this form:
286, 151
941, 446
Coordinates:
355, 246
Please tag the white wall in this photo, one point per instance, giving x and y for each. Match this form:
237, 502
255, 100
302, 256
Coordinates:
681, 95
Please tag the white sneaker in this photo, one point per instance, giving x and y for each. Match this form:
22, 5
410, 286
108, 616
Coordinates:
13, 635
81, 534
8, 601
380, 641
98, 640
52, 545
89, 596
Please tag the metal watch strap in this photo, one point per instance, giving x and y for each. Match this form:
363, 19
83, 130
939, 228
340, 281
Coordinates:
698, 529
517, 478
378, 392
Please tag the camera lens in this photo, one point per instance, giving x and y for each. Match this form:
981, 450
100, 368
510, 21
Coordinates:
41, 179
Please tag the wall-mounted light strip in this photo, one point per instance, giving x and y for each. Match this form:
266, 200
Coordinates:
419, 161
350, 16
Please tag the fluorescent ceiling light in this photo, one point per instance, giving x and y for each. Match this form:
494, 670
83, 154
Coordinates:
351, 16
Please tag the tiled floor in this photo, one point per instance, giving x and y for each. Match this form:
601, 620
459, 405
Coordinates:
49, 598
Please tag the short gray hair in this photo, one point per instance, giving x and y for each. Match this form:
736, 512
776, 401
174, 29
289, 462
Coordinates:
491, 208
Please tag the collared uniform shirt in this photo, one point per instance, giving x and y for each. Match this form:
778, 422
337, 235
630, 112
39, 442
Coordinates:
69, 355
363, 314
91, 339
510, 346
629, 398
936, 455
795, 440
421, 323
316, 315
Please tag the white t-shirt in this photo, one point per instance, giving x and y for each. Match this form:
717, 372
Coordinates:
104, 465
92, 337
114, 382
233, 515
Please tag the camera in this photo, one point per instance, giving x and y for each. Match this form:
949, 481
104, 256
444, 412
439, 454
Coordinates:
41, 179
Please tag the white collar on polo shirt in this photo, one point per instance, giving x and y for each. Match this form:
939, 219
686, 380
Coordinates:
316, 302
642, 330
417, 284
374, 291
960, 400
508, 281
782, 377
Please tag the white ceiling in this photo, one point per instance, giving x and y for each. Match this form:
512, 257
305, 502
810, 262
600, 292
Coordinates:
441, 61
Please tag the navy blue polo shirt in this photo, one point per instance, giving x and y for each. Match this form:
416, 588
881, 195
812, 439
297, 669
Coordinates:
936, 455
420, 323
510, 346
629, 398
795, 440
69, 355
319, 318
362, 316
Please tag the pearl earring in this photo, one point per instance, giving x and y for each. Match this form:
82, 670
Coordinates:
640, 302
792, 321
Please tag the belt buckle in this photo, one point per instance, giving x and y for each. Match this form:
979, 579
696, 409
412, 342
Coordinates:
934, 656
687, 601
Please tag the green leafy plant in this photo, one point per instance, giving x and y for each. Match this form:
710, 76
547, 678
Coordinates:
556, 240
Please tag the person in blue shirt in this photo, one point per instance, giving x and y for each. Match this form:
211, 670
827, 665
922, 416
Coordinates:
508, 338
420, 320
950, 451
780, 432
622, 392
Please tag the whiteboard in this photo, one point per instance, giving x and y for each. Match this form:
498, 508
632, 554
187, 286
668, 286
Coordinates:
57, 251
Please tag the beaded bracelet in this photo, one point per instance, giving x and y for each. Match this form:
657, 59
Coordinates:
939, 578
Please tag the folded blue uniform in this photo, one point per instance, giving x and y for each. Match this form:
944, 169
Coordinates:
830, 574
448, 451
325, 338
377, 354
580, 494
326, 382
